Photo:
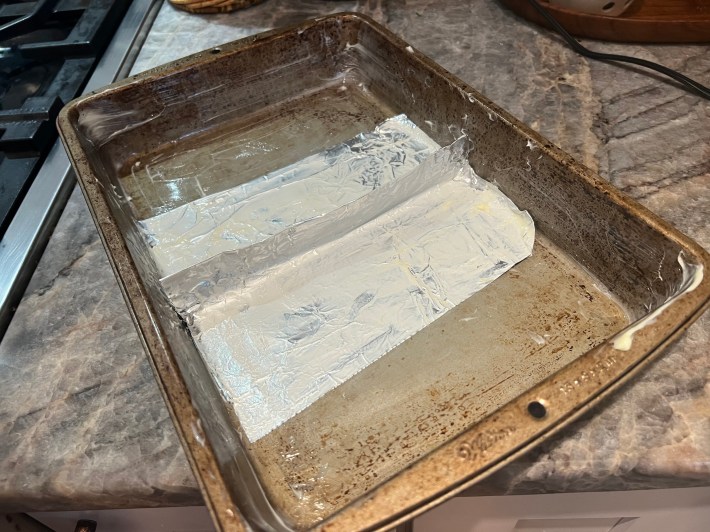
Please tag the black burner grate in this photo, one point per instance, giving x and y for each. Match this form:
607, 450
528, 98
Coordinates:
48, 49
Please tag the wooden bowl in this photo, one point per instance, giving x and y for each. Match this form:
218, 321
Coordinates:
658, 21
212, 6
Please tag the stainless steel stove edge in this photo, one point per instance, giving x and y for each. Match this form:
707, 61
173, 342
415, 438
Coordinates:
26, 237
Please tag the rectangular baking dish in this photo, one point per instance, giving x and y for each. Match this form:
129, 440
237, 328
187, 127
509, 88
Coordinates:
607, 287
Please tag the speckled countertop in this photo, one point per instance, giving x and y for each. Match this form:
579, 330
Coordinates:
82, 422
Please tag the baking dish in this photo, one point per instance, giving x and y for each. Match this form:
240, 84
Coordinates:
607, 287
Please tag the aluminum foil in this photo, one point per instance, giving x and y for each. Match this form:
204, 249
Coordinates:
307, 189
282, 321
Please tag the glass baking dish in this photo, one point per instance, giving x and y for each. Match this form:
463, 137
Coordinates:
607, 287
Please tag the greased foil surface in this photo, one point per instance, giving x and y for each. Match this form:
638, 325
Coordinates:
309, 188
282, 320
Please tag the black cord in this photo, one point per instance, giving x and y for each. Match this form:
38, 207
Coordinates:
688, 83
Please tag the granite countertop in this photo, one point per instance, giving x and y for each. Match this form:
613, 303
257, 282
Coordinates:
82, 421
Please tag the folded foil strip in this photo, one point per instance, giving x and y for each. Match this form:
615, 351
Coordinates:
284, 321
246, 267
307, 189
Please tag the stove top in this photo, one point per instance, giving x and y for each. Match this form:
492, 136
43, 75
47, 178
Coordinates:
47, 51
50, 52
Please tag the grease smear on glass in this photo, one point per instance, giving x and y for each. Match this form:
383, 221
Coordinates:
287, 313
692, 277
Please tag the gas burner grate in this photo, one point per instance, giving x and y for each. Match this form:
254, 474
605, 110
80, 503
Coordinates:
76, 45
61, 28
31, 101
48, 49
